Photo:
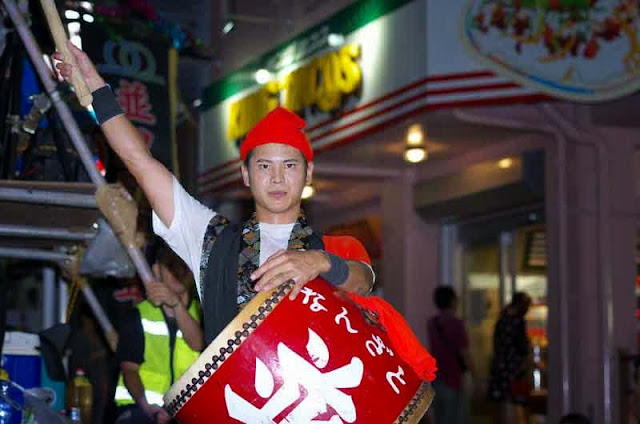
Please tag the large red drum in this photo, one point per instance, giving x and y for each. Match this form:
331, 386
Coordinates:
316, 359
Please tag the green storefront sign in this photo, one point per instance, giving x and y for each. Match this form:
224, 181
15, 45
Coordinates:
301, 48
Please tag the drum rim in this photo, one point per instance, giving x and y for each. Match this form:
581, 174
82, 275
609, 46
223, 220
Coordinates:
418, 406
223, 346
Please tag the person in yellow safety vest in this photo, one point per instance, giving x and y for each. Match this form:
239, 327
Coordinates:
160, 340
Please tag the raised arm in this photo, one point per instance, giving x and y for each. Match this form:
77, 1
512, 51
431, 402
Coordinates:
155, 180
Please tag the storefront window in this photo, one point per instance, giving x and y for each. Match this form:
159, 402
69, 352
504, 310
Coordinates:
494, 269
482, 301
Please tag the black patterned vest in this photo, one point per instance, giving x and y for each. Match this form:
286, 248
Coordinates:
230, 253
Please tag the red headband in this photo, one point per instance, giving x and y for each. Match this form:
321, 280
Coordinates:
279, 126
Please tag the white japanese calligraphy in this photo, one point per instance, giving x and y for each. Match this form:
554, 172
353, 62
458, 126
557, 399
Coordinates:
316, 306
343, 316
377, 346
398, 376
322, 389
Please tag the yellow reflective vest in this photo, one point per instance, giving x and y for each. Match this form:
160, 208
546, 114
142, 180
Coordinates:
155, 371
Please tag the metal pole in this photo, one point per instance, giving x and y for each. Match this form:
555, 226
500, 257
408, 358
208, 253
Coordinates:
33, 254
63, 296
101, 316
506, 293
44, 197
70, 124
26, 231
48, 297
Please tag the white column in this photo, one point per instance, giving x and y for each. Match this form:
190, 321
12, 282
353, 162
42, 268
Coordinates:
410, 255
591, 235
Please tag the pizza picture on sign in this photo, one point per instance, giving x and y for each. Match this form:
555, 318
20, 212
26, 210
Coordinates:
583, 50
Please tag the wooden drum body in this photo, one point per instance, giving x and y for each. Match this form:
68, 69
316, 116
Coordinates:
316, 359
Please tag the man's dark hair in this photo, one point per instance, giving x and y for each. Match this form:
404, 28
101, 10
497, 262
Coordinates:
575, 418
444, 297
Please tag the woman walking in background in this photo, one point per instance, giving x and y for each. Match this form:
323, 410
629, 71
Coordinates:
509, 383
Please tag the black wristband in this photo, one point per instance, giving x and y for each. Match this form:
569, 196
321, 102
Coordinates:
105, 105
339, 271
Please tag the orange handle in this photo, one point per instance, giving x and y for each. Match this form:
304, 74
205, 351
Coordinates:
60, 37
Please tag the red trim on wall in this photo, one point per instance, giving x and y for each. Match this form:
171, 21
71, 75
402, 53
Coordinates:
418, 96
437, 78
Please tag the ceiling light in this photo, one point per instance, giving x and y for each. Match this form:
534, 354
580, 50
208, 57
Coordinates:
505, 163
228, 27
88, 18
197, 103
415, 154
308, 191
87, 5
74, 27
71, 14
415, 136
335, 40
76, 40
263, 76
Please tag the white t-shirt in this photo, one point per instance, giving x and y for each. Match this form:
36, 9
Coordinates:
190, 221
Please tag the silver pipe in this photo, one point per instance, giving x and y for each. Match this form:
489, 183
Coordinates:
44, 197
96, 307
504, 243
33, 254
63, 296
48, 297
27, 231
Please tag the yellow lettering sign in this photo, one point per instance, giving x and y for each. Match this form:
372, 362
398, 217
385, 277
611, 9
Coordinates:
323, 83
246, 112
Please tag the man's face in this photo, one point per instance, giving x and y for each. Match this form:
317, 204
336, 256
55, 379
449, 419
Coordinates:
276, 175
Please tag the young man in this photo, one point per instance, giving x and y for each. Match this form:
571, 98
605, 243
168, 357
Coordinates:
450, 346
159, 339
231, 263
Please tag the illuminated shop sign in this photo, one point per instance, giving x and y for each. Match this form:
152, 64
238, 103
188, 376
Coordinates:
323, 83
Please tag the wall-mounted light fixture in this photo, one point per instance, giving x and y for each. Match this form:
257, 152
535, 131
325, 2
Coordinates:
335, 40
415, 150
263, 76
505, 163
229, 25
308, 191
231, 18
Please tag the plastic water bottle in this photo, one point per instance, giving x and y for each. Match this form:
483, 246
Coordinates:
74, 415
80, 397
6, 411
10, 402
